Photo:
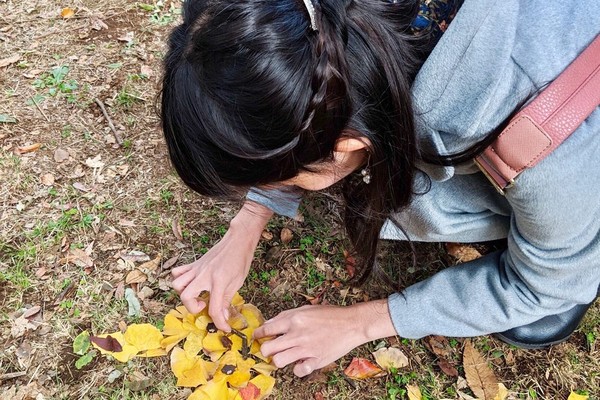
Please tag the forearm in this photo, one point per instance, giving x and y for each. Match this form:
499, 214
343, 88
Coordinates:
250, 220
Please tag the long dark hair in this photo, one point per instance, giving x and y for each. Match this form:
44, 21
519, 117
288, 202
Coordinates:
252, 95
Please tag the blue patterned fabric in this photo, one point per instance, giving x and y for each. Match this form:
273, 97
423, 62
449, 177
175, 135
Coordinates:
434, 17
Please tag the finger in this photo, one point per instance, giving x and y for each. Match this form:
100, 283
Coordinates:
181, 283
288, 356
178, 271
189, 298
278, 345
272, 327
217, 309
306, 367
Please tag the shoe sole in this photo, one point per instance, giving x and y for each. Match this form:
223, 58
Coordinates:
529, 346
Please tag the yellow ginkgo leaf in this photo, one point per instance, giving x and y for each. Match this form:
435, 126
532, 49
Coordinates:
143, 336
180, 312
252, 315
265, 383
264, 368
190, 371
171, 341
234, 369
214, 345
234, 394
153, 353
213, 390
575, 396
128, 351
202, 322
67, 13
237, 300
172, 326
193, 343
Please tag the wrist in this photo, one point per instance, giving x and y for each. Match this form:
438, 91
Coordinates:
374, 320
251, 220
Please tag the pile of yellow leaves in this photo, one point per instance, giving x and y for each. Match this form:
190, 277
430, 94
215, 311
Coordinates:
221, 366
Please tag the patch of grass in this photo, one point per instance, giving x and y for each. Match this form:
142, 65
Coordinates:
56, 82
159, 13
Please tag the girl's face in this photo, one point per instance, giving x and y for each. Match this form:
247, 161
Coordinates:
349, 155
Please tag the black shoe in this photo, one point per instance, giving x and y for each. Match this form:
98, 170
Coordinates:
547, 331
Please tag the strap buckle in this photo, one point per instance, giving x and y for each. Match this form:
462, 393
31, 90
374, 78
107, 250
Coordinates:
500, 188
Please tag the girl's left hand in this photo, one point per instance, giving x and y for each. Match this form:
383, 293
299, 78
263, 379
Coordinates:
314, 336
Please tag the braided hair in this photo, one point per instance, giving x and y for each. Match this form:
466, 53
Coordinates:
252, 95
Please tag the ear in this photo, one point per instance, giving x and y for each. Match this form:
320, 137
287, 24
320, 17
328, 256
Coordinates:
349, 144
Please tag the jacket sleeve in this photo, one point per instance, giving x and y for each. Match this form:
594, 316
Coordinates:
552, 262
283, 200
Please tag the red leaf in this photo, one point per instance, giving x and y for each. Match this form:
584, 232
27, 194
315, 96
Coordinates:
250, 392
361, 368
350, 264
108, 343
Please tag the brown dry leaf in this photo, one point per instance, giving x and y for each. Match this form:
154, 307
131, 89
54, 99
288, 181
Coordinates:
413, 392
79, 258
361, 368
447, 368
128, 37
28, 149
47, 179
266, 235
350, 264
67, 13
439, 345
177, 229
480, 377
462, 252
60, 155
286, 235
135, 276
150, 266
5, 62
169, 263
146, 70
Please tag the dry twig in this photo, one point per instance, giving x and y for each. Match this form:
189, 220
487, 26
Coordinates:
110, 123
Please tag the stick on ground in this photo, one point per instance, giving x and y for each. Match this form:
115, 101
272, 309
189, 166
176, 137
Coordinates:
110, 123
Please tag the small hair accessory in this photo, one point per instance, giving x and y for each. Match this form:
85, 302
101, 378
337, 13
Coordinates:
311, 13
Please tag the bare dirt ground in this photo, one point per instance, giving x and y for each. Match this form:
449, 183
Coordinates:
83, 203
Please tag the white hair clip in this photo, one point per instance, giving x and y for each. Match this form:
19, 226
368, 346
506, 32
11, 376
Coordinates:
311, 13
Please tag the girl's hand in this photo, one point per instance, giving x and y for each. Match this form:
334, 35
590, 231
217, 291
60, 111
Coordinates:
223, 269
314, 336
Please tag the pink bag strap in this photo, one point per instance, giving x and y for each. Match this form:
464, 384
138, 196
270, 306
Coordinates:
546, 122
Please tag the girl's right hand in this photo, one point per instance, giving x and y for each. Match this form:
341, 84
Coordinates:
223, 269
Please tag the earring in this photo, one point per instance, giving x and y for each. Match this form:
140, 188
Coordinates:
366, 171
366, 175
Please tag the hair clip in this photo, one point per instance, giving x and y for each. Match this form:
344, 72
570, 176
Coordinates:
311, 13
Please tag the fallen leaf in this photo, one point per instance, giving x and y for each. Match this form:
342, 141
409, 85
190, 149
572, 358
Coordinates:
84, 360
28, 149
143, 336
462, 252
150, 266
350, 265
480, 377
47, 179
139, 382
286, 235
447, 368
439, 346
128, 37
176, 228
169, 263
250, 392
7, 119
135, 276
502, 392
266, 235
390, 357
361, 368
413, 392
576, 396
107, 343
146, 70
60, 155
97, 24
5, 62
95, 162
67, 13
133, 303
81, 343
